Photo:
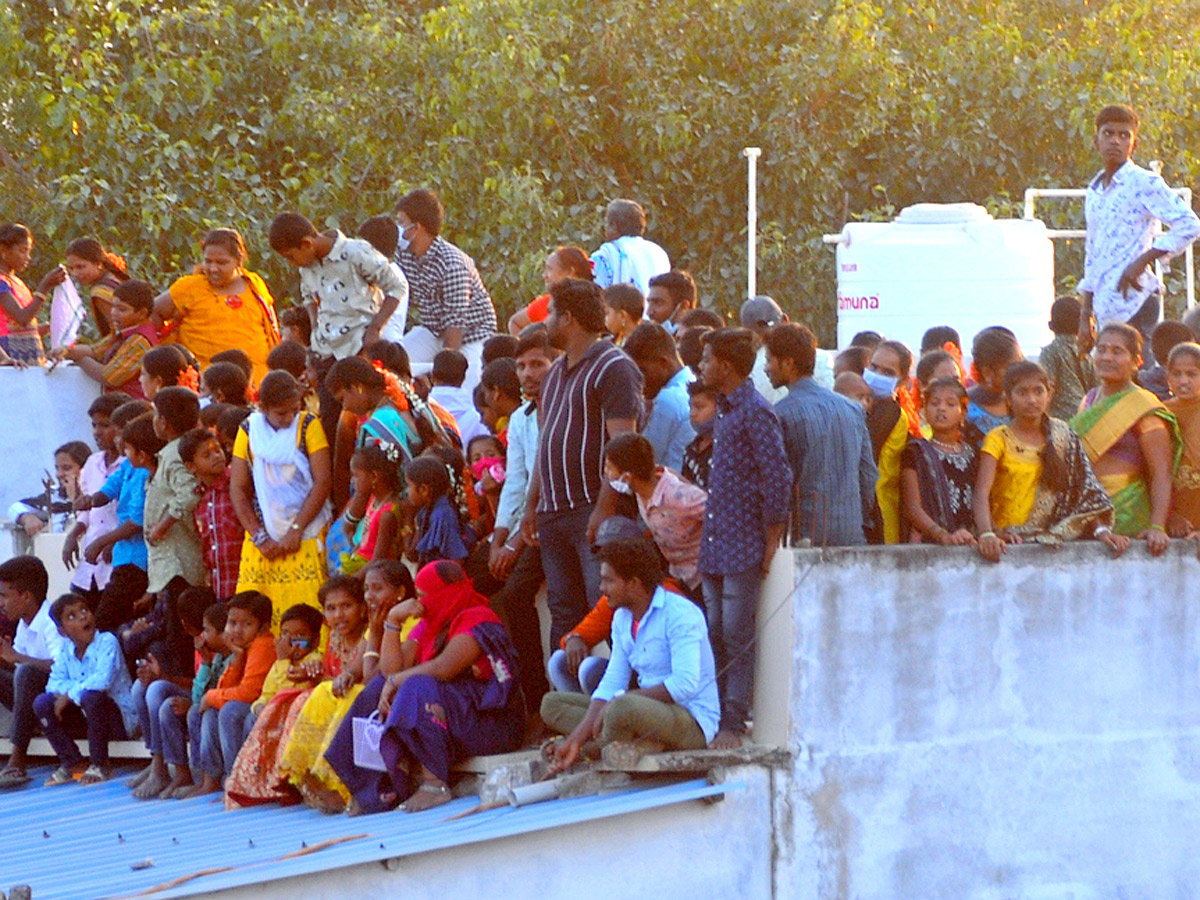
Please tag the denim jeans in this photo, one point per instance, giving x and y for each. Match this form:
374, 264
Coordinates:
19, 688
174, 736
572, 570
149, 700
591, 670
217, 736
103, 721
731, 602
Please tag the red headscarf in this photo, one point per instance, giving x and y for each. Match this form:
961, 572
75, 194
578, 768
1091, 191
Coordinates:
452, 606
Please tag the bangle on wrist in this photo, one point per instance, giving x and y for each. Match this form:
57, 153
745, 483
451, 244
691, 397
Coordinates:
509, 547
988, 534
260, 537
1101, 530
388, 626
371, 653
1158, 528
351, 519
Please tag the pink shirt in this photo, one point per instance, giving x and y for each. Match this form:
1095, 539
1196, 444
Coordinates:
675, 516
99, 521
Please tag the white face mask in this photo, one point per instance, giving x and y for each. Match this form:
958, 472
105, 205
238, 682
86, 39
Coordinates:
402, 242
620, 487
880, 385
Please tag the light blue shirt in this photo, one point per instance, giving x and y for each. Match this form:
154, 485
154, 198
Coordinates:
630, 259
671, 649
101, 669
127, 486
668, 427
519, 466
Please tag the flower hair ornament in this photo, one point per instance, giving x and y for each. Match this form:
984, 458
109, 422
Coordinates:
189, 378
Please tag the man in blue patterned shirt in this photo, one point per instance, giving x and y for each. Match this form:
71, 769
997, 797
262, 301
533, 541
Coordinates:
825, 434
749, 485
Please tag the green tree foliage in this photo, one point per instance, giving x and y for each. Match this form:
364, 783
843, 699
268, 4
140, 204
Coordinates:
146, 123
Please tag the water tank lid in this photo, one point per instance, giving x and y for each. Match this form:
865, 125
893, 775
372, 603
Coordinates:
943, 214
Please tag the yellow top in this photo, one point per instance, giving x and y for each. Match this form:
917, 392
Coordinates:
313, 437
887, 488
1018, 471
277, 678
210, 323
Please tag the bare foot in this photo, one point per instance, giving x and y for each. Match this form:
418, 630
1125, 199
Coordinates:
207, 785
180, 783
152, 787
726, 740
428, 795
140, 777
320, 797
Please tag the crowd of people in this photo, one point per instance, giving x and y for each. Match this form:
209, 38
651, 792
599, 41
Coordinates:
307, 550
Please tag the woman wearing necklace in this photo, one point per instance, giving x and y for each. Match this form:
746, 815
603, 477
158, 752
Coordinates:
1035, 482
937, 474
223, 305
1131, 439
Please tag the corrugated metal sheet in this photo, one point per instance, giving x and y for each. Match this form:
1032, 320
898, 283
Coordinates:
78, 843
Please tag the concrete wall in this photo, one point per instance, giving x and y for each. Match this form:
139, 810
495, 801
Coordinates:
969, 731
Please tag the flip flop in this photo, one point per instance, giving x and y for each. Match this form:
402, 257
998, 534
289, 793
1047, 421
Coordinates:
61, 775
94, 775
12, 777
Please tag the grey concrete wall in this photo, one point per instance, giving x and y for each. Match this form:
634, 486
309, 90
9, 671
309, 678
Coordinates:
1029, 729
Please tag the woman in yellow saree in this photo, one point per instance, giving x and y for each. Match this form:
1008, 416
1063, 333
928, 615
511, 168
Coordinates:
1131, 439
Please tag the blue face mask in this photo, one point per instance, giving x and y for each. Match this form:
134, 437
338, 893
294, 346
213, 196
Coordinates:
880, 385
401, 241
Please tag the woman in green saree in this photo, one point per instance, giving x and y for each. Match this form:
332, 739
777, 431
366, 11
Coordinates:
1131, 439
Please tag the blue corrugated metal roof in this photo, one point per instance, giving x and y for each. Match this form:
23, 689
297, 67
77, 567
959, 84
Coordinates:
75, 843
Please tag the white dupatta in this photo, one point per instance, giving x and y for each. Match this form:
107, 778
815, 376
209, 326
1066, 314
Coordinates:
282, 476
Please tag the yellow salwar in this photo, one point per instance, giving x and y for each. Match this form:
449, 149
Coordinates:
288, 581
303, 759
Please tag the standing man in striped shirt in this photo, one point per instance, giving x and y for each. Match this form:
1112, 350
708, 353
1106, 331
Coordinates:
593, 392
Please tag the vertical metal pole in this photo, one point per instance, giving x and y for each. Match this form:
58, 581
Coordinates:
752, 154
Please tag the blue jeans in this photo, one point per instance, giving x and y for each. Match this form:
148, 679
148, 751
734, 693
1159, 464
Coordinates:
591, 670
103, 722
149, 700
732, 604
174, 736
218, 735
572, 570
19, 688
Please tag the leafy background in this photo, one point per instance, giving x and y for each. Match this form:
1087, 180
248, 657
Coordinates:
146, 123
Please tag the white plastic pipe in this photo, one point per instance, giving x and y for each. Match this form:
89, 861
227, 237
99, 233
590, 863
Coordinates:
752, 154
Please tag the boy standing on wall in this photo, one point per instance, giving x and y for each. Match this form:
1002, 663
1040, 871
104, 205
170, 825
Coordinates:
1123, 204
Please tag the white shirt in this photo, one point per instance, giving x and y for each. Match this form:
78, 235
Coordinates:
629, 259
348, 285
99, 521
519, 466
762, 383
459, 403
1122, 220
671, 649
393, 329
40, 639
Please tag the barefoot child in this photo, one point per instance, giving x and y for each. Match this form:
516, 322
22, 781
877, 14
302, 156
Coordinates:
216, 725
376, 475
88, 685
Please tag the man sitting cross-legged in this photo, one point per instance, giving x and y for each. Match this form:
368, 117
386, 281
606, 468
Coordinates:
661, 637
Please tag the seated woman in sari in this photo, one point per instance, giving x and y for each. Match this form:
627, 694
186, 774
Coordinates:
1183, 377
937, 474
448, 692
1131, 439
258, 773
385, 583
1035, 482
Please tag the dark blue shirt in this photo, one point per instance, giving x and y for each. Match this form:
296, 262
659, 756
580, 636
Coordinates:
749, 483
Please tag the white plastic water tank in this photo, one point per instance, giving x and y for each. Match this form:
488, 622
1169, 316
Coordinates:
945, 264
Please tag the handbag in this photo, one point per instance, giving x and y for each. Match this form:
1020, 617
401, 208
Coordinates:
366, 733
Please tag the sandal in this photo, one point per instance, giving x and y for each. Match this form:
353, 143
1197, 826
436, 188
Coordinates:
61, 775
12, 777
94, 775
